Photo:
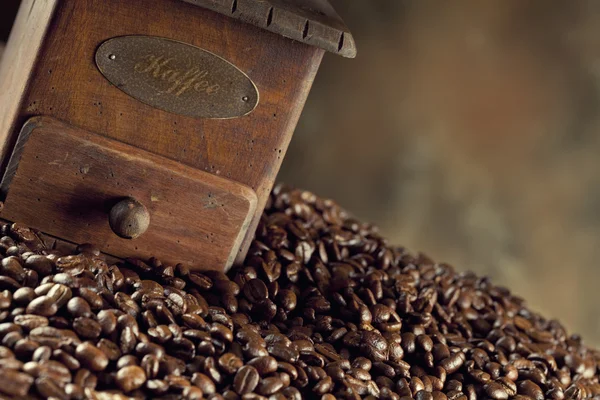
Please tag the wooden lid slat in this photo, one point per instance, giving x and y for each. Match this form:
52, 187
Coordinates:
313, 22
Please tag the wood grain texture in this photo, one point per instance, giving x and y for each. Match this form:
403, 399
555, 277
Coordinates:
17, 63
67, 180
67, 85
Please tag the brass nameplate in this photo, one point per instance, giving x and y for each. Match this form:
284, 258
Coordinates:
177, 77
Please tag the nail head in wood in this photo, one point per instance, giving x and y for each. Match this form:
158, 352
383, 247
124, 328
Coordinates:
129, 218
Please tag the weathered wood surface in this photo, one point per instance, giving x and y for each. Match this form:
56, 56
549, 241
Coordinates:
67, 85
314, 22
66, 181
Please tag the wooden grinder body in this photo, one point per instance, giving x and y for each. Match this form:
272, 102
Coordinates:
73, 144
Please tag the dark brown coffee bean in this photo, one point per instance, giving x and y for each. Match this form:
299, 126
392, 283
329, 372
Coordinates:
495, 391
256, 291
40, 264
61, 294
509, 386
23, 296
91, 357
283, 353
87, 328
246, 380
287, 300
93, 298
110, 349
78, 307
43, 305
14, 383
130, 378
453, 363
268, 386
66, 359
107, 321
85, 378
530, 389
374, 346
30, 321
204, 383
230, 363
50, 389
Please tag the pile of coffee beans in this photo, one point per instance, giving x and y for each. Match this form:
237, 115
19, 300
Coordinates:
323, 308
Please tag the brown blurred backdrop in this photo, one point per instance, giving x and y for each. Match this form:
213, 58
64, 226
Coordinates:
469, 130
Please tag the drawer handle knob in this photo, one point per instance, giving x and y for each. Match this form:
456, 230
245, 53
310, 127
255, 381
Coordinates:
129, 218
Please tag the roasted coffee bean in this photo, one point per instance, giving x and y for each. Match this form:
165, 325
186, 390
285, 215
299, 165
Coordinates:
264, 365
78, 307
91, 357
43, 305
48, 388
246, 379
130, 378
530, 389
230, 363
107, 321
109, 348
453, 363
374, 346
87, 328
495, 391
61, 294
270, 385
93, 298
30, 321
204, 383
14, 383
40, 264
255, 291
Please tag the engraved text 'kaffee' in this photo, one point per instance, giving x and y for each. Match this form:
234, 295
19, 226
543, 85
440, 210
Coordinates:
177, 77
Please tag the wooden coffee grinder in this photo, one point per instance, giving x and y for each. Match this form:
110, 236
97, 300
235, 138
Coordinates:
155, 127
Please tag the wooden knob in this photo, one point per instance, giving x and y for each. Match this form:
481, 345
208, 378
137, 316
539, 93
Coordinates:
129, 218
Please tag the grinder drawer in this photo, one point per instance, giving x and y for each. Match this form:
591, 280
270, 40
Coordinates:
68, 183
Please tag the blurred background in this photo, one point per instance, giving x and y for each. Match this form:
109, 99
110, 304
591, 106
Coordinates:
469, 130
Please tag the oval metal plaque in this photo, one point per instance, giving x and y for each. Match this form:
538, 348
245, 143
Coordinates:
177, 77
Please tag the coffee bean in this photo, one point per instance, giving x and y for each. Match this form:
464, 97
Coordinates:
61, 294
78, 307
14, 383
50, 389
287, 300
204, 383
30, 321
495, 391
256, 291
87, 328
130, 378
453, 363
43, 305
40, 264
94, 300
230, 363
268, 386
109, 348
374, 346
246, 379
530, 389
107, 321
85, 378
91, 357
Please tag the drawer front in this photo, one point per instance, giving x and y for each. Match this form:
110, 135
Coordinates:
65, 181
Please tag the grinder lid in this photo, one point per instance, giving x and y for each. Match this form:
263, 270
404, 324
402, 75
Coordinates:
313, 22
